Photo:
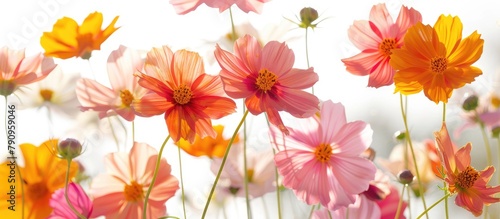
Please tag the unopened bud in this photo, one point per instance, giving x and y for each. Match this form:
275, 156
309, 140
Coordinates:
405, 177
470, 103
400, 135
69, 148
307, 16
495, 132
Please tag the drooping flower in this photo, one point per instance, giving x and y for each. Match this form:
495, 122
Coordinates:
56, 92
469, 184
78, 198
189, 97
67, 39
260, 172
122, 64
266, 79
326, 151
436, 59
43, 173
17, 70
376, 38
119, 193
208, 146
186, 6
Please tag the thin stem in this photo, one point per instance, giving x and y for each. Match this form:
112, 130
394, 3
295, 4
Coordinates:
433, 205
444, 112
182, 182
311, 211
155, 174
307, 56
222, 164
400, 203
245, 168
486, 142
66, 193
408, 205
114, 134
133, 132
232, 24
278, 195
445, 201
498, 150
408, 138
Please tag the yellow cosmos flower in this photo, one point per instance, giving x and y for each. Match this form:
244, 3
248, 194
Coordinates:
67, 39
208, 146
42, 174
436, 59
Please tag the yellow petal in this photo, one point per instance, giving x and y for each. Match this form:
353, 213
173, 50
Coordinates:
449, 31
469, 51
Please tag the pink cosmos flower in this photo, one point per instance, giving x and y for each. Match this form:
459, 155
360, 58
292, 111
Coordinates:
17, 70
376, 38
120, 192
186, 6
320, 161
265, 77
362, 208
260, 172
122, 63
78, 199
389, 205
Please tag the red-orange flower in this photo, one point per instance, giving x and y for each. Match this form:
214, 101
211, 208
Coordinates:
67, 39
469, 184
188, 97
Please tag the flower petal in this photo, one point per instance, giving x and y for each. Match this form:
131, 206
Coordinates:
277, 58
299, 78
449, 31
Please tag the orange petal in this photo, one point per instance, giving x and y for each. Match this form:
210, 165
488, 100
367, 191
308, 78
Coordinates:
449, 31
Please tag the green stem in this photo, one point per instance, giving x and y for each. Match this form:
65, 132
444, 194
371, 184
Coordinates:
311, 211
155, 174
222, 164
444, 112
408, 138
278, 195
486, 142
66, 193
445, 201
182, 183
433, 205
307, 56
408, 205
400, 203
498, 150
114, 134
245, 168
133, 132
232, 24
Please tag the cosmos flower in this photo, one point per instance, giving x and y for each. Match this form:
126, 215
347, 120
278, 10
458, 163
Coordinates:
67, 39
376, 38
186, 6
326, 151
266, 79
78, 198
207, 146
120, 192
436, 59
189, 97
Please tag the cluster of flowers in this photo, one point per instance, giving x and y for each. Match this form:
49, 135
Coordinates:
324, 159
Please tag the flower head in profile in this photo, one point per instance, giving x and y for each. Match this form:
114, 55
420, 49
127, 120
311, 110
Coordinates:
469, 184
189, 97
266, 79
186, 6
18, 70
207, 146
376, 38
436, 59
43, 173
68, 39
325, 151
119, 193
78, 198
122, 64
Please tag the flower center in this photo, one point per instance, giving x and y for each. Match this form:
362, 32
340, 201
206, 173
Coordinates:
182, 94
467, 178
323, 152
250, 175
133, 192
439, 64
126, 97
386, 45
266, 80
37, 190
495, 101
46, 94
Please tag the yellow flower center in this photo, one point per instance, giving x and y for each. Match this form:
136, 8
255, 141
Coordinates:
266, 80
182, 94
133, 192
495, 101
386, 45
439, 64
37, 190
46, 94
323, 152
250, 175
467, 178
126, 97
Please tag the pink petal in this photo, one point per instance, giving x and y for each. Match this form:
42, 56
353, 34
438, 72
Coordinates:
277, 58
186, 68
95, 96
207, 85
462, 157
332, 119
185, 6
381, 19
352, 139
470, 202
363, 37
251, 5
115, 165
139, 158
382, 74
151, 104
122, 64
352, 169
159, 62
362, 63
249, 51
234, 75
299, 79
108, 204
9, 60
406, 19
298, 103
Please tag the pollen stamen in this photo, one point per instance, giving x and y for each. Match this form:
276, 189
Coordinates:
37, 190
46, 94
133, 192
439, 64
182, 94
126, 97
323, 152
467, 178
386, 46
266, 80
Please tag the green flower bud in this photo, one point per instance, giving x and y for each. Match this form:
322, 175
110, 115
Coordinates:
470, 103
405, 177
307, 16
69, 148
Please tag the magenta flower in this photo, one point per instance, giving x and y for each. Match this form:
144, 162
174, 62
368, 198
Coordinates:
389, 205
265, 77
78, 199
186, 6
376, 38
326, 152
122, 64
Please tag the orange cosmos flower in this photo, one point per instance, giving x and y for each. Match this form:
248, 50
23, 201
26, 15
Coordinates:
469, 184
43, 173
188, 97
436, 60
211, 147
67, 39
